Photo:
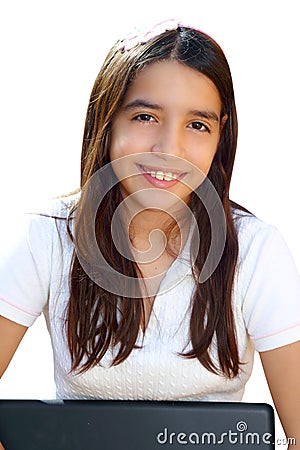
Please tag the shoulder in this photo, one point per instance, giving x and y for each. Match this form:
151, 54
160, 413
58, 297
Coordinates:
38, 228
264, 254
265, 261
56, 208
248, 225
254, 235
52, 215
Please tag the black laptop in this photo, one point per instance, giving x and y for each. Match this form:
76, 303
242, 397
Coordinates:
135, 425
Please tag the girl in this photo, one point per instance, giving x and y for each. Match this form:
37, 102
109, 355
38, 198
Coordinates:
154, 284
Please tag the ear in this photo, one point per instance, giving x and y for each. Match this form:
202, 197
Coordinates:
223, 121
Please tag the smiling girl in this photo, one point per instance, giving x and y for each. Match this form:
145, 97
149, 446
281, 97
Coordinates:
154, 284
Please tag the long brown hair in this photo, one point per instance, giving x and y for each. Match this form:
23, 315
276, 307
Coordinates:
97, 319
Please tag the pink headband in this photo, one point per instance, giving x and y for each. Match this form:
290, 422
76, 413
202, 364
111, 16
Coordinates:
143, 35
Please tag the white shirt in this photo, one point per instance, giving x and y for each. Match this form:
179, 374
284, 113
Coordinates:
34, 271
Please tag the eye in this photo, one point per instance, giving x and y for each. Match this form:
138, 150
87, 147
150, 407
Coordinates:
199, 126
144, 118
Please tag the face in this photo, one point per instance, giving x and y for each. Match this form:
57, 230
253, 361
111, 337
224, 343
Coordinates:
165, 134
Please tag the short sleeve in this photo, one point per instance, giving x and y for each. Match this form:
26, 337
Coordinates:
270, 290
25, 267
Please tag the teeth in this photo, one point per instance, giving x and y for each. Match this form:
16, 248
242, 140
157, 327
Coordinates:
159, 175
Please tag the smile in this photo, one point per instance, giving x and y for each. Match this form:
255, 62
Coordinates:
164, 178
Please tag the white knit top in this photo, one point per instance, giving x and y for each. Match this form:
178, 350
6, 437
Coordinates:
34, 270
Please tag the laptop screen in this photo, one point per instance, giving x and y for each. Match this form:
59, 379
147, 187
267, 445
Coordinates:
134, 425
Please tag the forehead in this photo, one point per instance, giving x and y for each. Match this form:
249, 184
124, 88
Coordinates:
171, 84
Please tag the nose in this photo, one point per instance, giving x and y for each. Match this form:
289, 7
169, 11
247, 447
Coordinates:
169, 141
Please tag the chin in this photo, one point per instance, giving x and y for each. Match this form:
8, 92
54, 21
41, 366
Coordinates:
155, 199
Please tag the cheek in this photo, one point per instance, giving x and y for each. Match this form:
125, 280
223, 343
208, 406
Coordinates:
202, 157
123, 145
118, 142
117, 145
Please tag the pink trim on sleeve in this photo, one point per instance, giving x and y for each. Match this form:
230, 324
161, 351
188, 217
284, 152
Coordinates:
20, 309
276, 332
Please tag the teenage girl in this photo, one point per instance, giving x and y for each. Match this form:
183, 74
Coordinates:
153, 283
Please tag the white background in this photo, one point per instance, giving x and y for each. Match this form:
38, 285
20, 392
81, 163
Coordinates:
52, 51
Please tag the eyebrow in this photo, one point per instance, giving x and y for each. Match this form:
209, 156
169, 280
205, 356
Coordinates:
142, 103
209, 115
139, 103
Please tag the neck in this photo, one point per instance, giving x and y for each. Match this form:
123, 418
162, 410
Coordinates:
154, 232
